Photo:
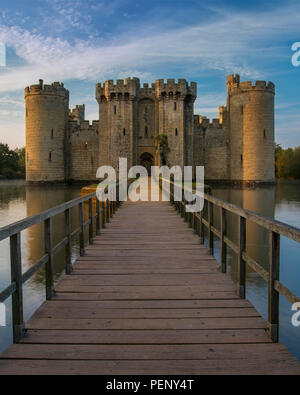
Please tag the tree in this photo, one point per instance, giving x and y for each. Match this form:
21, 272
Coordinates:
12, 163
162, 146
287, 162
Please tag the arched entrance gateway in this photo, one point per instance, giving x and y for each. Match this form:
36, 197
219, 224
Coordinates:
147, 161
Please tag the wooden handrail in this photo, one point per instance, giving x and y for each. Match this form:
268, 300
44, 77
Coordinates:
275, 229
13, 231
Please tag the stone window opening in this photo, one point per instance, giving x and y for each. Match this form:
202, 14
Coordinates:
50, 156
52, 133
115, 110
146, 131
241, 158
124, 132
176, 132
265, 134
242, 110
175, 106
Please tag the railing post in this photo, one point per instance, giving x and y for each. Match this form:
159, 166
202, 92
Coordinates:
194, 222
103, 214
98, 226
273, 295
17, 296
241, 263
81, 224
201, 229
69, 241
223, 248
49, 264
91, 225
210, 233
107, 211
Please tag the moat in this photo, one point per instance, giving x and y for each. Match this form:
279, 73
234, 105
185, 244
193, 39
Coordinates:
281, 202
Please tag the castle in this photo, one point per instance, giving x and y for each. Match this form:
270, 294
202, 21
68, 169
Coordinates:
61, 146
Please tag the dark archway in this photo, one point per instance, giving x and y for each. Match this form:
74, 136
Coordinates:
147, 161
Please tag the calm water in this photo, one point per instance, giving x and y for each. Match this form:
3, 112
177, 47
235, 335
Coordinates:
281, 202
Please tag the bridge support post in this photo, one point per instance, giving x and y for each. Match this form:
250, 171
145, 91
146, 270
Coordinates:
17, 296
49, 263
241, 262
223, 248
273, 295
69, 242
81, 224
210, 224
201, 230
98, 226
91, 225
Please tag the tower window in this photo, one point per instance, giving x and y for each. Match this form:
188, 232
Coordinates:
146, 131
265, 134
175, 106
241, 158
52, 133
50, 156
124, 132
176, 132
115, 109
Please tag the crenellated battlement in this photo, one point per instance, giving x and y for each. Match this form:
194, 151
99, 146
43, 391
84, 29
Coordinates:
121, 90
55, 89
172, 89
131, 88
83, 126
77, 113
235, 86
205, 123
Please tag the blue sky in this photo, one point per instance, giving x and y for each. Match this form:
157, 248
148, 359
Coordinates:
82, 42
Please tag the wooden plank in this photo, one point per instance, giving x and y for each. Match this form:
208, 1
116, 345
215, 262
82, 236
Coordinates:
146, 352
145, 292
86, 310
178, 367
146, 324
147, 336
199, 281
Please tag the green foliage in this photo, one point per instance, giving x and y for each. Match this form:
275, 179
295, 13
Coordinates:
162, 140
12, 162
287, 162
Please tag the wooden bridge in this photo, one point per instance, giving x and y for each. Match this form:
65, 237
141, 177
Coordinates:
145, 297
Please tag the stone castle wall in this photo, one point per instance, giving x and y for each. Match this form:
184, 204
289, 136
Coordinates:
83, 150
47, 109
237, 147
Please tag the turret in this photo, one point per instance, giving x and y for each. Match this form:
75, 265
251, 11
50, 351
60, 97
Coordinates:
47, 108
251, 125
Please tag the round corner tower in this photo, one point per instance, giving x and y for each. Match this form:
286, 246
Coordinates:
47, 109
251, 145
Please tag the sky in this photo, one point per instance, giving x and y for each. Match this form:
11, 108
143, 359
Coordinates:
83, 42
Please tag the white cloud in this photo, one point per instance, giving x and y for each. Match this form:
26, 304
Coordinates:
232, 42
224, 45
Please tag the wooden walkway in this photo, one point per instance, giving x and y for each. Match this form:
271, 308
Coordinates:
147, 299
